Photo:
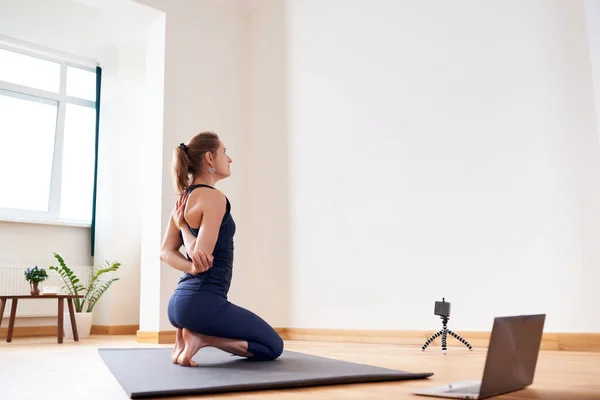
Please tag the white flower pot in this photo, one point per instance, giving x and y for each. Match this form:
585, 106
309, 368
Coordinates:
84, 324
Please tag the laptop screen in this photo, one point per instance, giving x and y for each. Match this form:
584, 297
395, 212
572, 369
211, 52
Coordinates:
512, 354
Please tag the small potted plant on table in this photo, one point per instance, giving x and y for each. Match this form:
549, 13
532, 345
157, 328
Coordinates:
34, 276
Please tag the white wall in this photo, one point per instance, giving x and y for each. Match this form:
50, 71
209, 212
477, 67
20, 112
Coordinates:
266, 147
441, 150
120, 189
385, 154
150, 282
591, 302
34, 244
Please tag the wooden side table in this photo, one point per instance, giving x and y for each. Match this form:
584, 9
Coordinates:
61, 312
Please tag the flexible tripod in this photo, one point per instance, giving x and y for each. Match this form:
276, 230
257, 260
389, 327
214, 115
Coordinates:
443, 333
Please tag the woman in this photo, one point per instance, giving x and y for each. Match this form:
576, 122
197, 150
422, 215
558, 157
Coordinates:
202, 222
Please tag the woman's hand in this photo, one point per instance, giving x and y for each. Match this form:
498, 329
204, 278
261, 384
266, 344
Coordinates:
201, 262
178, 213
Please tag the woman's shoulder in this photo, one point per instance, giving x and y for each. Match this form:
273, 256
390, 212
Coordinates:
207, 197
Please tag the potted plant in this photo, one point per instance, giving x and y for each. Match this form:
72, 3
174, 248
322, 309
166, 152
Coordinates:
83, 307
34, 276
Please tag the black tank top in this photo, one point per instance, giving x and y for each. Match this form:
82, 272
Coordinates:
216, 279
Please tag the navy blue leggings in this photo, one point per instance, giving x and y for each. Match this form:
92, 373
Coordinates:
212, 314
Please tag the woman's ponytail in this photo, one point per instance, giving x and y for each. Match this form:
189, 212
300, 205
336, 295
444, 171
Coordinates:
181, 168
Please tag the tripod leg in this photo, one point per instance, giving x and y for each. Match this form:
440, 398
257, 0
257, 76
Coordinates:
431, 339
444, 340
460, 339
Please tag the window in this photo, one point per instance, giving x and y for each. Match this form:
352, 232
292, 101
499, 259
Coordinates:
47, 138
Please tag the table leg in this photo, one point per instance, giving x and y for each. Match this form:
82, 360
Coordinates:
11, 321
72, 315
2, 306
61, 314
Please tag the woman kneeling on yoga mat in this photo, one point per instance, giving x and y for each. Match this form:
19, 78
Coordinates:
202, 222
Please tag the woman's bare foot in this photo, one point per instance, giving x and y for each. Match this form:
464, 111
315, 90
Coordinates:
193, 342
179, 345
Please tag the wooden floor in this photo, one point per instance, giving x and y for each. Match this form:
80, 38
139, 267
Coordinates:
39, 368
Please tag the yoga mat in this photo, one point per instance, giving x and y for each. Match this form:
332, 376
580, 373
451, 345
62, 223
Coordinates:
145, 373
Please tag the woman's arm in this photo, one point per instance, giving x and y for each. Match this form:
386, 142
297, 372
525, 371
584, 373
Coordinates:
201, 261
208, 215
169, 252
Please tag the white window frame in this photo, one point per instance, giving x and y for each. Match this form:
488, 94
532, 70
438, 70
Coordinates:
52, 216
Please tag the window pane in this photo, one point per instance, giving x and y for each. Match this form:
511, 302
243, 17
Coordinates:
81, 83
27, 130
29, 71
78, 163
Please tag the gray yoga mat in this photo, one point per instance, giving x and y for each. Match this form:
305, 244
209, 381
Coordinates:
145, 373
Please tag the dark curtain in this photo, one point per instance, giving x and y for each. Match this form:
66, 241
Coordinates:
93, 230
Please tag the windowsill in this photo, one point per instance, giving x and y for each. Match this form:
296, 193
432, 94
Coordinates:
42, 221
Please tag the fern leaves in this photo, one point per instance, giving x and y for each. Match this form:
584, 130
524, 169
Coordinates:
95, 289
68, 276
110, 267
99, 290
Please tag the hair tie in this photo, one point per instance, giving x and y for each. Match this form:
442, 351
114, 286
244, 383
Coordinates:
184, 147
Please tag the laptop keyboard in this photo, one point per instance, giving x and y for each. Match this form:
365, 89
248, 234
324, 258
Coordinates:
467, 389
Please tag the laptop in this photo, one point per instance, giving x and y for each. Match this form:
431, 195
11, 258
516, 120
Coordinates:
510, 363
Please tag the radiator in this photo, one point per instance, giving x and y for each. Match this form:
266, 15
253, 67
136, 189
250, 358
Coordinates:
12, 281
